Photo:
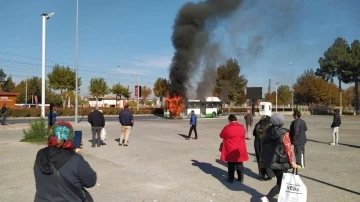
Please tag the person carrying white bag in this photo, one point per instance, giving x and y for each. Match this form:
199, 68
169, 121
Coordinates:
276, 153
292, 188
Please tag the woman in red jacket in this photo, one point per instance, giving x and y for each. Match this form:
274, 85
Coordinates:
233, 148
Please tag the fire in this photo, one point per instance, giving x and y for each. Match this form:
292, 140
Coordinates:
175, 105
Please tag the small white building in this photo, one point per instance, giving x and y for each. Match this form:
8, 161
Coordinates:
106, 101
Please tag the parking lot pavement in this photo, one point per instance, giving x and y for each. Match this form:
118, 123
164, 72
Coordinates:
160, 165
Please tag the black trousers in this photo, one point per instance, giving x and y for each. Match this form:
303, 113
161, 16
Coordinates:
299, 151
276, 189
96, 135
239, 167
192, 128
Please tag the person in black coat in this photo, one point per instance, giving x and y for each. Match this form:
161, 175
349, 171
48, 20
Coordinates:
335, 128
258, 132
97, 121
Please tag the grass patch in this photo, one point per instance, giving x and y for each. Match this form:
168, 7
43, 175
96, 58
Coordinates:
37, 131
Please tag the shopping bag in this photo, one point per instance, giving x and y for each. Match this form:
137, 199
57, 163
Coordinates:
103, 134
292, 188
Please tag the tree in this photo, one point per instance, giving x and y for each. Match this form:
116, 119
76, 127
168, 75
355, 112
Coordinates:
2, 78
333, 64
310, 88
284, 95
161, 88
63, 79
270, 97
98, 88
230, 85
120, 90
351, 71
8, 85
145, 93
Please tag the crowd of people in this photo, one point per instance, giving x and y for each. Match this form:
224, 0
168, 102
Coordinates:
61, 174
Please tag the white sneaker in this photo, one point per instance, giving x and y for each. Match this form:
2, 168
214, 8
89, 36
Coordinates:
264, 199
332, 143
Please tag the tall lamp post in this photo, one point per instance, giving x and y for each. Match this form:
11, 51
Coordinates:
76, 62
138, 89
44, 18
292, 86
276, 96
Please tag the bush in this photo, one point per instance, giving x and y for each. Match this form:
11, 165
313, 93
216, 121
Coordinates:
37, 131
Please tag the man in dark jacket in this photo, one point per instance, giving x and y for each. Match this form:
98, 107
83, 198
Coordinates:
335, 128
97, 121
126, 120
4, 110
193, 124
248, 122
298, 130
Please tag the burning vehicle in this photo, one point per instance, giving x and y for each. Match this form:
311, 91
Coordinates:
208, 107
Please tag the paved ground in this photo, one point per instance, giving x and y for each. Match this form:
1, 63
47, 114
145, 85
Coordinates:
159, 165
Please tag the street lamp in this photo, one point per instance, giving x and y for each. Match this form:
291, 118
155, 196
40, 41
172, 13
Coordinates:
44, 18
292, 86
138, 89
276, 97
76, 62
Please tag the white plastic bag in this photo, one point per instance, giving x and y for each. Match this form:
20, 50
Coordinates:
292, 189
103, 134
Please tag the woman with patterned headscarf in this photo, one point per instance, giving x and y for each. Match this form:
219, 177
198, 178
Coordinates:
62, 158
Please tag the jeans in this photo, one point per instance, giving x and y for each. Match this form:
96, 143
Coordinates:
4, 115
239, 166
192, 128
96, 131
299, 151
276, 189
335, 135
248, 132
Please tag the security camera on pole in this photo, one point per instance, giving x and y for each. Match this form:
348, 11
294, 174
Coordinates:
44, 18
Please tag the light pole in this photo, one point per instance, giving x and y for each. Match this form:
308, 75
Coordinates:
276, 97
26, 88
292, 86
76, 62
138, 91
44, 18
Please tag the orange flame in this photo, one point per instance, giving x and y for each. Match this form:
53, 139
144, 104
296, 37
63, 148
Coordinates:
175, 105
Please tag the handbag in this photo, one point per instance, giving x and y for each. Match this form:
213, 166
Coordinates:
293, 188
84, 195
220, 147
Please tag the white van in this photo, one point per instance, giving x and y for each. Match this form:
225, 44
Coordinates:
265, 108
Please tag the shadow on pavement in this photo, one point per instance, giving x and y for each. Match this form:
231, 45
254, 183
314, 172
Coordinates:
247, 171
219, 175
102, 142
183, 135
349, 145
331, 185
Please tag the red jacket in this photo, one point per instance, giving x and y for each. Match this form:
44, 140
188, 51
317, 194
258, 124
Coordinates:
234, 144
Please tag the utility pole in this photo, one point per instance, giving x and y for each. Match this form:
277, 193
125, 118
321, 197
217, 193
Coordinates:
76, 62
26, 88
276, 97
269, 88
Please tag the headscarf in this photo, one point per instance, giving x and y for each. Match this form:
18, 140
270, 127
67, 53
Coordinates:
61, 134
277, 119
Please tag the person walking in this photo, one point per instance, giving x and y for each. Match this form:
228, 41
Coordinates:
248, 122
276, 153
193, 124
61, 157
97, 121
51, 116
233, 148
259, 132
298, 130
4, 111
126, 120
335, 128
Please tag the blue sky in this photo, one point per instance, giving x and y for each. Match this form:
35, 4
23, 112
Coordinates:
135, 35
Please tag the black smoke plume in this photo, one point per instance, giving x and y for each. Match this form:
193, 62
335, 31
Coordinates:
191, 36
